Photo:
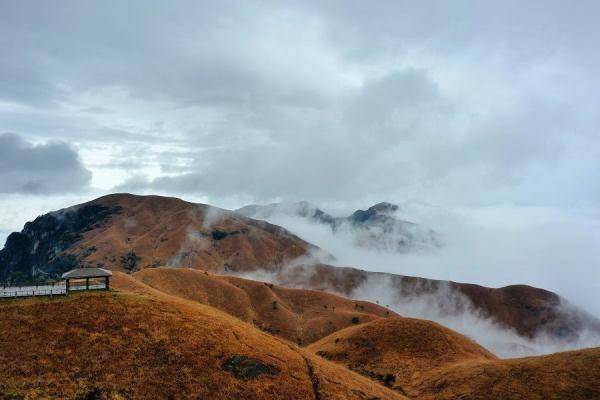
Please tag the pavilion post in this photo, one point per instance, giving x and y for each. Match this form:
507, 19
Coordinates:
87, 283
107, 280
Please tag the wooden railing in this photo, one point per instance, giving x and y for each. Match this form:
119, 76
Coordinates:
32, 289
46, 289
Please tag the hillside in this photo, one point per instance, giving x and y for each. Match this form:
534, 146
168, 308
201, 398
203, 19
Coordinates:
300, 316
127, 233
424, 360
140, 346
528, 310
132, 233
399, 351
573, 375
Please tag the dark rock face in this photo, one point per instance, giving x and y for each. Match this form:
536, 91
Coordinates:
379, 209
37, 252
220, 235
248, 368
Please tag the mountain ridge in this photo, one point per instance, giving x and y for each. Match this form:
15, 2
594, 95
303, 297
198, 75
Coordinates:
375, 228
130, 233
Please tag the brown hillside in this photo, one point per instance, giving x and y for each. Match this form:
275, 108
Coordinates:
399, 351
138, 346
427, 361
301, 316
573, 375
526, 309
130, 233
164, 231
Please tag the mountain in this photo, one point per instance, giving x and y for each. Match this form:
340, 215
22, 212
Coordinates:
135, 234
376, 228
527, 310
127, 233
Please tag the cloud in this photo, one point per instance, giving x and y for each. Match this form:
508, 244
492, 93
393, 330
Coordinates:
48, 168
455, 311
487, 109
470, 104
493, 246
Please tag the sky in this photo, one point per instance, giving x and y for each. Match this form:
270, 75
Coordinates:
488, 110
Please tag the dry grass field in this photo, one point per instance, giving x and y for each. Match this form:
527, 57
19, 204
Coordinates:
137, 346
301, 316
424, 360
180, 334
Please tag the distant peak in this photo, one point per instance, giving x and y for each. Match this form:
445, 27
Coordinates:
384, 206
377, 209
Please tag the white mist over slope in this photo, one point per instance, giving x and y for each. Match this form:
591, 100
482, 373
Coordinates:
491, 246
455, 311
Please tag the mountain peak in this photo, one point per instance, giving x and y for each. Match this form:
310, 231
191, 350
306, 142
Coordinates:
378, 209
384, 207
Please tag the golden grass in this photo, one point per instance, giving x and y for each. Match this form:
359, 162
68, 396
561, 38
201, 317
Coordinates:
430, 362
301, 316
166, 231
573, 375
401, 349
140, 346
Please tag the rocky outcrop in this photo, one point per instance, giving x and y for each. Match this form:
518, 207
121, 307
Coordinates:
40, 250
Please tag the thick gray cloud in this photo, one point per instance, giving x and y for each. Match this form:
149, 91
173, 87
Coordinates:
39, 169
463, 103
485, 107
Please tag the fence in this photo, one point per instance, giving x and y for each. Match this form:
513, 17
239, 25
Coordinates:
29, 290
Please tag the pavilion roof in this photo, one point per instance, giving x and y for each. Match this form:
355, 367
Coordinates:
86, 273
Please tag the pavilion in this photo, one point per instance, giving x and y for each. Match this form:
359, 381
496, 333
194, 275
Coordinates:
95, 279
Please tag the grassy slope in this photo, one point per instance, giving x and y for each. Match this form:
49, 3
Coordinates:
144, 346
168, 231
301, 316
406, 348
429, 361
573, 375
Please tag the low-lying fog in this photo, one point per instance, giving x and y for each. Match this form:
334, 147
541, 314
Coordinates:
492, 246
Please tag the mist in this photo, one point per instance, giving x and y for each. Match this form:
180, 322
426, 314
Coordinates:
454, 310
492, 246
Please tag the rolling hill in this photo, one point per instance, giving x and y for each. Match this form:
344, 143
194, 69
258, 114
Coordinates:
180, 333
527, 310
424, 360
130, 233
399, 351
300, 316
148, 346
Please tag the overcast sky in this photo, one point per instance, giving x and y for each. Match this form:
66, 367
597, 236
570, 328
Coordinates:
464, 104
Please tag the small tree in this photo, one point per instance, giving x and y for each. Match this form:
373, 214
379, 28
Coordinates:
274, 305
130, 261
